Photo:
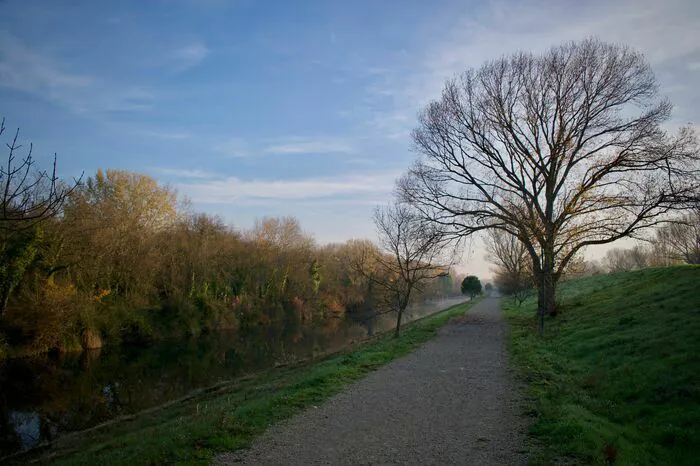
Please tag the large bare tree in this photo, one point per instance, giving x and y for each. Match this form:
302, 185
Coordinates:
562, 150
412, 252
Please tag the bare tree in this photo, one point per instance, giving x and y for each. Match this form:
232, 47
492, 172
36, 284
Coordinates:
513, 267
640, 256
413, 252
622, 260
508, 252
562, 150
681, 240
27, 195
593, 267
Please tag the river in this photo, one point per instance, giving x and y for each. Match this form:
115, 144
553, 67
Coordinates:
46, 396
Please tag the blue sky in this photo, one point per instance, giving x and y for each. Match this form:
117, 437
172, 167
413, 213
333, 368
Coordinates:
266, 108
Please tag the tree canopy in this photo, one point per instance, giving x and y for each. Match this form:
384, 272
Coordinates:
561, 150
471, 286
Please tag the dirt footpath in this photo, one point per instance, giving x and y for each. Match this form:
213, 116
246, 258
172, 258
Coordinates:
451, 402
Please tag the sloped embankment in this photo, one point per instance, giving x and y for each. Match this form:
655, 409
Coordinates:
617, 376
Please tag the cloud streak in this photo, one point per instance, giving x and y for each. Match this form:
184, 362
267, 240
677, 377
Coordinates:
241, 148
166, 135
233, 190
24, 70
234, 147
183, 173
187, 56
665, 32
310, 146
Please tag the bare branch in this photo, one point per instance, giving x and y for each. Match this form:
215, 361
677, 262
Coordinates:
563, 150
411, 253
28, 196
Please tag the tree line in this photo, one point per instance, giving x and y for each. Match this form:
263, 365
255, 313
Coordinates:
673, 244
117, 257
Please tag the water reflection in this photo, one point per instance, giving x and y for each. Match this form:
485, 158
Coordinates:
44, 397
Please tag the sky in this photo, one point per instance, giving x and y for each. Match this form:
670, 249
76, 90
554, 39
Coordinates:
275, 108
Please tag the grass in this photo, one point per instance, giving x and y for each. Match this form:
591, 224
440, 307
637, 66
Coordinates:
230, 416
617, 376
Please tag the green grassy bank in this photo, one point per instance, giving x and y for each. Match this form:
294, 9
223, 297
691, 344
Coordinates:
616, 379
230, 416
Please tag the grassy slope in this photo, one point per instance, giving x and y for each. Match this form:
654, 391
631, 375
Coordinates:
619, 367
231, 416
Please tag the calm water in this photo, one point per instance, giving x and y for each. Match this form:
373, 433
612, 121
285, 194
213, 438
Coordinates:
43, 397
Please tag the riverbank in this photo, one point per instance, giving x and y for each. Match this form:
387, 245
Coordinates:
229, 416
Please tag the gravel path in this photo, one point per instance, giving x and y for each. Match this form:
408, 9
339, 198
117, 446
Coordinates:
452, 401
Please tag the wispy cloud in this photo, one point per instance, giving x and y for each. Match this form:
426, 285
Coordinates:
234, 147
30, 71
25, 70
665, 32
167, 135
310, 146
234, 190
183, 173
241, 148
121, 100
187, 56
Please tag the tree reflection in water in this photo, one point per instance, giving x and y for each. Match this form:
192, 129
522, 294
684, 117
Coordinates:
49, 395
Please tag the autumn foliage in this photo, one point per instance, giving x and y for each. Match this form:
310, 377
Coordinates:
125, 259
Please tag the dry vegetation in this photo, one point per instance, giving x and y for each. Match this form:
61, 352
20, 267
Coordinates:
120, 259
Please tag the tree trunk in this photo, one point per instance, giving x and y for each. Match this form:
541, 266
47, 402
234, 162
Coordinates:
4, 299
369, 311
546, 299
546, 290
370, 325
402, 302
398, 323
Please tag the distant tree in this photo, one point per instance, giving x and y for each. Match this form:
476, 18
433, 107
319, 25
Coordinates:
562, 150
287, 251
623, 260
363, 276
471, 286
681, 240
488, 288
413, 252
315, 273
617, 260
639, 256
507, 252
513, 267
445, 285
593, 267
518, 287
